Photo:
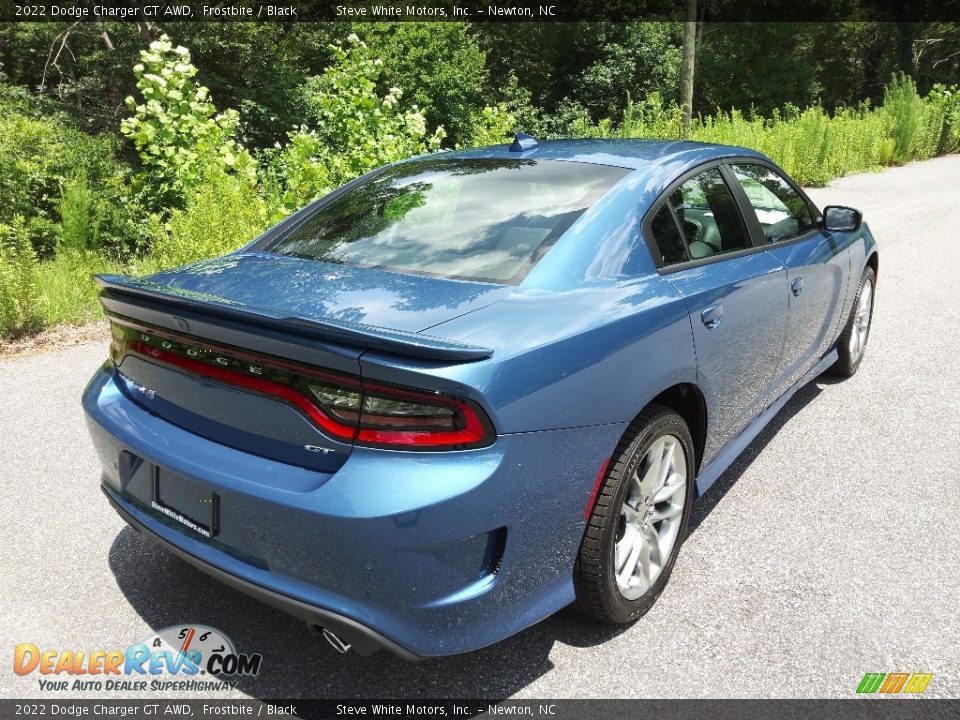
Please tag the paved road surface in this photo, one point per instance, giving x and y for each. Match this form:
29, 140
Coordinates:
829, 550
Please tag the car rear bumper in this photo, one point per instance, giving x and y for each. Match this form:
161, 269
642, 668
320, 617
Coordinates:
424, 554
362, 639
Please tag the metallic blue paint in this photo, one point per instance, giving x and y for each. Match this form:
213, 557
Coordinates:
444, 552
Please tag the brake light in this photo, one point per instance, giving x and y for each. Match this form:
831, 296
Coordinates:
391, 416
386, 416
343, 406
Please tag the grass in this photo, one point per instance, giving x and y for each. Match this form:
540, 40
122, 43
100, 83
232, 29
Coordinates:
65, 292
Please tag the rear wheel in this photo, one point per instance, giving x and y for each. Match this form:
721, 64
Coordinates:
639, 520
853, 339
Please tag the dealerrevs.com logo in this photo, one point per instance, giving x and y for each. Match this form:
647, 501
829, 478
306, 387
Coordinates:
186, 658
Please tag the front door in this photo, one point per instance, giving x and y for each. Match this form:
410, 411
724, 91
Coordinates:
816, 267
736, 297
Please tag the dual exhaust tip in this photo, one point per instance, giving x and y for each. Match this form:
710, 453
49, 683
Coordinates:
336, 642
349, 638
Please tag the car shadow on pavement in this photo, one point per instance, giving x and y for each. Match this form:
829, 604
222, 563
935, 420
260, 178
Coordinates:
805, 395
166, 591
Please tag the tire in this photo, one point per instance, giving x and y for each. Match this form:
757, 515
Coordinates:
852, 344
602, 592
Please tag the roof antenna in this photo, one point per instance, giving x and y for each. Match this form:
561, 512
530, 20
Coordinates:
523, 143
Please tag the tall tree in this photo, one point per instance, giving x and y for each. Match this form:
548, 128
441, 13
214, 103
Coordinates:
688, 64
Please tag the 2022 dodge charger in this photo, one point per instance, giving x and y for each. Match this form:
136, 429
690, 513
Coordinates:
468, 389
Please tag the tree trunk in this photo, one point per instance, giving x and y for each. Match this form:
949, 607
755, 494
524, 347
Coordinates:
688, 65
147, 31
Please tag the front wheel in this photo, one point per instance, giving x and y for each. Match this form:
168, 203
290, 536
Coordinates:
639, 520
853, 339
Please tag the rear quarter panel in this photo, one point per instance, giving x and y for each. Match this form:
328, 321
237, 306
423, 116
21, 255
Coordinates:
592, 355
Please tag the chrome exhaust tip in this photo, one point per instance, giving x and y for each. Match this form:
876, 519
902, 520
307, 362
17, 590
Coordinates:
336, 642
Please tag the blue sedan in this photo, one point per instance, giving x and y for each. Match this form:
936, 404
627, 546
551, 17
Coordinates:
468, 389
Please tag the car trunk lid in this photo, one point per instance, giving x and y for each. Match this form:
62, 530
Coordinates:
322, 291
220, 349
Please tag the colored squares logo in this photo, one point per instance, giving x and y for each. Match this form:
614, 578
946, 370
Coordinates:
892, 683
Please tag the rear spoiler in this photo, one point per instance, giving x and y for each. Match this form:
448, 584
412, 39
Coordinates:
118, 290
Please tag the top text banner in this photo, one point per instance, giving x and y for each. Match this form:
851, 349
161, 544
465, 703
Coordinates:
479, 11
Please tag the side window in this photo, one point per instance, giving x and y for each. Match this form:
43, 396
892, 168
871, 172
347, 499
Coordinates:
667, 236
709, 216
782, 213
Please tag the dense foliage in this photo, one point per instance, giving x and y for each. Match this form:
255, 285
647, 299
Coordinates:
130, 148
175, 126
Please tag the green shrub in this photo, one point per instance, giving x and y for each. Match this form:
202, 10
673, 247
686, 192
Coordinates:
18, 279
905, 107
652, 117
490, 126
353, 128
176, 129
812, 145
947, 99
222, 214
37, 155
80, 215
67, 294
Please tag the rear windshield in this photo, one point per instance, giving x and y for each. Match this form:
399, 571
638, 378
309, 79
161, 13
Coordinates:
479, 219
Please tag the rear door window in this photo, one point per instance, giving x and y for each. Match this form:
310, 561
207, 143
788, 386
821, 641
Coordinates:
672, 247
709, 217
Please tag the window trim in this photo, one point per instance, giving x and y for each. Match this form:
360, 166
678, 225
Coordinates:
750, 220
651, 242
677, 226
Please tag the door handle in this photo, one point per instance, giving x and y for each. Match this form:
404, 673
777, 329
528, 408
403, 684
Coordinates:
797, 286
711, 316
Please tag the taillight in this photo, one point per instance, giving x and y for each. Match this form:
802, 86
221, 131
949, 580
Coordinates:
345, 407
391, 416
394, 416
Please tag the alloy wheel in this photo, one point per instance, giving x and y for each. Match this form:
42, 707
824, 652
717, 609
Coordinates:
861, 322
650, 517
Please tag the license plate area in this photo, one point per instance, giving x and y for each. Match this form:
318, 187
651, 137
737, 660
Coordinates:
185, 502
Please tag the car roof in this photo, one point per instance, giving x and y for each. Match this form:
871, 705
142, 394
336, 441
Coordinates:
633, 154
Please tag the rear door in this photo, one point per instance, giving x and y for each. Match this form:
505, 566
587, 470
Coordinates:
735, 293
816, 268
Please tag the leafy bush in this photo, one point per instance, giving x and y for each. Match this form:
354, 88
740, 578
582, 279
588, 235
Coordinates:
354, 129
67, 294
811, 145
947, 99
18, 279
652, 117
176, 129
441, 69
39, 150
901, 101
222, 214
490, 126
81, 214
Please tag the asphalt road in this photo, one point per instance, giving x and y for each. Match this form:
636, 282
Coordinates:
830, 549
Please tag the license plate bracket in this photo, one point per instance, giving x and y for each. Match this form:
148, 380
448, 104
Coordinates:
186, 502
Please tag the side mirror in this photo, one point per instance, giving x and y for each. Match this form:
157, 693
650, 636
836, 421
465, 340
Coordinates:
838, 218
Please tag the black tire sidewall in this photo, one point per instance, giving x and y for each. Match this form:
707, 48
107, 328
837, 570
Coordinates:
845, 365
621, 609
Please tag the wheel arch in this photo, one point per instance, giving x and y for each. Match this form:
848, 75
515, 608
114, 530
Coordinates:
874, 261
688, 401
